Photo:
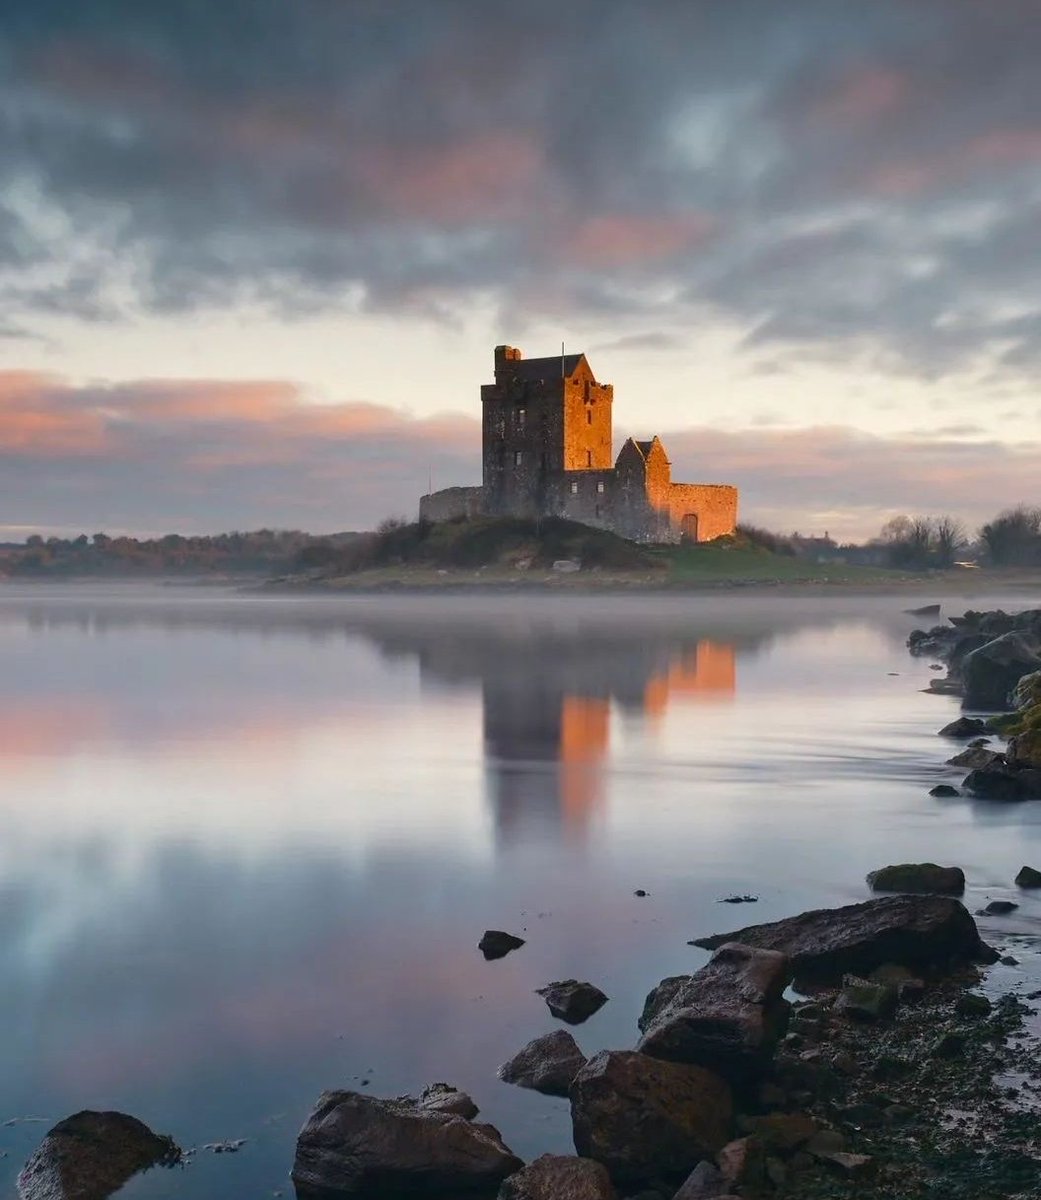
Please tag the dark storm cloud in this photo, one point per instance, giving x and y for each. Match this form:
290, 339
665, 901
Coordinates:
835, 178
197, 455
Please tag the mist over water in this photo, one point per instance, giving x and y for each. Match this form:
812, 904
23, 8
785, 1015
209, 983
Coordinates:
250, 843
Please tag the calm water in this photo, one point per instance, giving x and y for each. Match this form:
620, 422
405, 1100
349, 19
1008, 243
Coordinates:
249, 845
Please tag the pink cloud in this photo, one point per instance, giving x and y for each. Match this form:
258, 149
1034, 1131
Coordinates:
618, 240
864, 94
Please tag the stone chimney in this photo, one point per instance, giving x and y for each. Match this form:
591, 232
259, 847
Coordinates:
504, 355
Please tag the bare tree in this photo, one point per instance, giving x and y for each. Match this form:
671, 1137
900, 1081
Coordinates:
949, 539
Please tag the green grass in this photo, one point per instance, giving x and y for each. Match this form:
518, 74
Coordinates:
730, 561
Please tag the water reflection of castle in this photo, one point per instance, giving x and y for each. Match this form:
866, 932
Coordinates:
547, 728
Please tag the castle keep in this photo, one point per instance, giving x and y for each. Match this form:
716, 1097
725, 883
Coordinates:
547, 451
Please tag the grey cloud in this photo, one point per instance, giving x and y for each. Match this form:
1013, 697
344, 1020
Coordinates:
855, 181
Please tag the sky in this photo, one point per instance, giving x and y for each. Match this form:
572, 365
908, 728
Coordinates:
255, 255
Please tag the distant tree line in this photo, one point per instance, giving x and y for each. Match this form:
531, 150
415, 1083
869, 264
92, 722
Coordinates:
262, 551
1011, 539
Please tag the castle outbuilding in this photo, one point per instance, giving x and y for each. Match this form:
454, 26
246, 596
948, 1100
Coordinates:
547, 451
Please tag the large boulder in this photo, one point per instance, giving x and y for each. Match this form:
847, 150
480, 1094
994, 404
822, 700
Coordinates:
921, 932
920, 878
964, 727
1028, 877
1002, 781
90, 1155
728, 1016
355, 1145
559, 1177
497, 943
975, 758
646, 1119
992, 671
1024, 750
548, 1064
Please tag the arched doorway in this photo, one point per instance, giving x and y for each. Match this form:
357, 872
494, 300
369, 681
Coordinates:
689, 527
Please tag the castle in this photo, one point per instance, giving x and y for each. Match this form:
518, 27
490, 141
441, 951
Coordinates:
546, 451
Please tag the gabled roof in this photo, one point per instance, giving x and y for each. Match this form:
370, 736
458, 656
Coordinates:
644, 447
554, 367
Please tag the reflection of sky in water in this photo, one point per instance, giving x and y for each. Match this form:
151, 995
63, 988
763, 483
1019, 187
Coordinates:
248, 849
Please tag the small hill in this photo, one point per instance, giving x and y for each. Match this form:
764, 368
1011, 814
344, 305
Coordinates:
508, 542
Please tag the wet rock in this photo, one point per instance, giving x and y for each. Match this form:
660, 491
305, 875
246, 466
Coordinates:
1028, 877
571, 1000
919, 878
862, 1000
559, 1177
996, 782
825, 1142
645, 1119
944, 790
997, 908
729, 1016
548, 1064
1007, 960
358, 1145
964, 727
90, 1155
1024, 750
442, 1097
909, 988
920, 932
497, 944
976, 758
703, 1183
991, 671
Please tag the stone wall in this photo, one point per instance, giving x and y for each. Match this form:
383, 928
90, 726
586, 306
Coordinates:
451, 504
712, 505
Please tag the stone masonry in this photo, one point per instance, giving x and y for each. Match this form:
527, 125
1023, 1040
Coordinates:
547, 451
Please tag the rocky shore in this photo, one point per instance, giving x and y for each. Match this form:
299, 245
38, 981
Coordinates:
837, 1053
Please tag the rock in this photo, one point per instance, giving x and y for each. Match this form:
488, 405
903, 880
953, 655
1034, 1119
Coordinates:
1028, 877
742, 1163
783, 1133
90, 1155
442, 1097
964, 727
852, 1166
1024, 750
1028, 691
996, 782
548, 1064
641, 892
571, 1000
991, 671
909, 988
949, 1045
729, 1016
944, 790
559, 1177
969, 1004
1007, 960
497, 944
926, 610
920, 878
826, 1142
644, 1118
862, 1000
976, 758
705, 1182
997, 908
358, 1145
921, 932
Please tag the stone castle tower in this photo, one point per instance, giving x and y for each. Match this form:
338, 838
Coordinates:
547, 451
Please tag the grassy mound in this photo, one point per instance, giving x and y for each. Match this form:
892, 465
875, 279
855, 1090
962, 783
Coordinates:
492, 542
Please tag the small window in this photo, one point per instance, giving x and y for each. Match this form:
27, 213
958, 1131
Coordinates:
589, 416
574, 487
522, 414
600, 486
518, 458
